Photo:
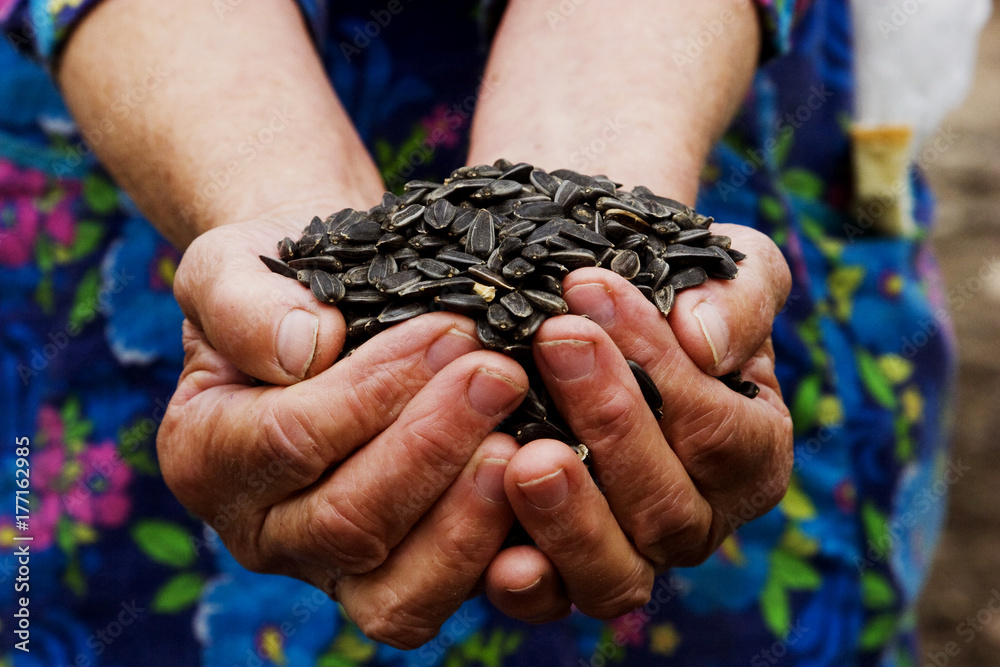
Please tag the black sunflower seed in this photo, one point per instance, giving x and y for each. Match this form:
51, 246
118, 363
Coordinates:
278, 266
648, 388
463, 304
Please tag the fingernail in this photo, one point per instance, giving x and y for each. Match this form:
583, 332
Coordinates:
449, 347
491, 393
296, 343
546, 493
592, 299
569, 359
489, 480
525, 589
715, 330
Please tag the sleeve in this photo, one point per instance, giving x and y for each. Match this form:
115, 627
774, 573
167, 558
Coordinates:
40, 28
778, 19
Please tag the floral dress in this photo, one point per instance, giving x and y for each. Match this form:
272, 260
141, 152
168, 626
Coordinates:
121, 574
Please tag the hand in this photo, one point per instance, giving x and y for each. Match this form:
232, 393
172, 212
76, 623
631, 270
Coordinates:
375, 479
673, 490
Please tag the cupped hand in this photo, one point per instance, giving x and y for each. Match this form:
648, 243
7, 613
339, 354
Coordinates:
375, 479
668, 492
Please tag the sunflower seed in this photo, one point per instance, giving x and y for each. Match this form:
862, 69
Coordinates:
319, 262
326, 288
648, 388
278, 266
457, 258
626, 264
517, 304
463, 304
287, 249
539, 211
399, 281
546, 301
663, 299
517, 269
688, 278
400, 312
482, 235
435, 287
489, 277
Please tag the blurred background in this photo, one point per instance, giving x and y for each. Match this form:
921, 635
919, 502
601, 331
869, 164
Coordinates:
966, 179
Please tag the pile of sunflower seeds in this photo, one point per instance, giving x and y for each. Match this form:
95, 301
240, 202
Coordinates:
494, 242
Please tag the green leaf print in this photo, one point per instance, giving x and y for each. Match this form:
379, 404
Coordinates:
877, 632
876, 591
794, 573
164, 542
875, 380
806, 403
802, 183
87, 236
875, 523
843, 283
774, 607
85, 301
178, 593
100, 195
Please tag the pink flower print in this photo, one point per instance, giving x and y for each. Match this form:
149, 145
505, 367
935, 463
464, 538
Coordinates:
98, 497
18, 231
50, 425
442, 126
630, 628
46, 472
6, 7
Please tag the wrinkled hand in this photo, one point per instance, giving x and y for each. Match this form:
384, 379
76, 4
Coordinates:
375, 479
673, 490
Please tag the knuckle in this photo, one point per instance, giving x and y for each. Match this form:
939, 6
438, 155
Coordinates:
463, 550
292, 440
669, 528
375, 389
634, 591
392, 621
352, 548
611, 417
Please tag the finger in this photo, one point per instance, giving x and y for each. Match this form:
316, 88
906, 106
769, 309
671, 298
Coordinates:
523, 583
732, 446
721, 323
646, 484
270, 327
562, 509
430, 574
367, 505
221, 440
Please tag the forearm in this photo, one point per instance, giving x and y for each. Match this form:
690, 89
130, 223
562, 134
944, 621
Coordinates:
607, 89
207, 120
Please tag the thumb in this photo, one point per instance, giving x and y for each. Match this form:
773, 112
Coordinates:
268, 326
722, 324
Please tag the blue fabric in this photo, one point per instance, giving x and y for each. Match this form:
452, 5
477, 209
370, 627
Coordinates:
90, 353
